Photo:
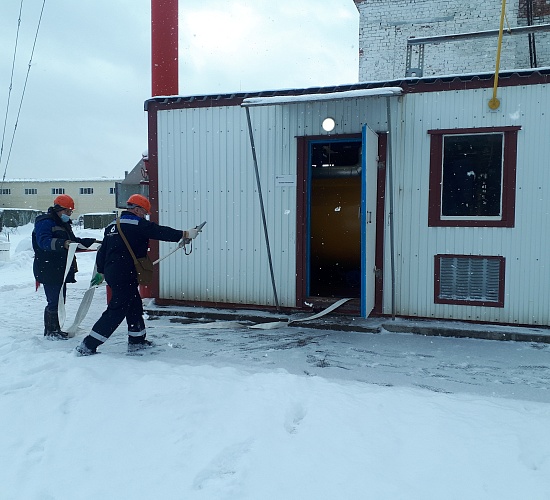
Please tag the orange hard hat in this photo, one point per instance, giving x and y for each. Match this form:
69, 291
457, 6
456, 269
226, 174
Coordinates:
65, 201
140, 201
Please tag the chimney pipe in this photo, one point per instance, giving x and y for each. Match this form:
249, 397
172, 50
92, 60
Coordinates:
164, 47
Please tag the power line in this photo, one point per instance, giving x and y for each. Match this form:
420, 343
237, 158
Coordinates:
24, 88
11, 83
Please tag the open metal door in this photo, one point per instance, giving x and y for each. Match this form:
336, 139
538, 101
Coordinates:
368, 209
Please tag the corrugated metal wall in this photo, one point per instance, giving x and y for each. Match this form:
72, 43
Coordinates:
525, 247
206, 172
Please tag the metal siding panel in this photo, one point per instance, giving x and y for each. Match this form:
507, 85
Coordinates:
527, 275
529, 290
206, 168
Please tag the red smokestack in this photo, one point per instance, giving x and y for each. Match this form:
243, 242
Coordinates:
164, 47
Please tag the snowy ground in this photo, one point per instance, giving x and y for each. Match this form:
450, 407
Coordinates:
218, 411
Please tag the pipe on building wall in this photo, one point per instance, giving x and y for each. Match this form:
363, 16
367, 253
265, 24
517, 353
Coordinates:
532, 43
389, 168
164, 47
259, 186
494, 103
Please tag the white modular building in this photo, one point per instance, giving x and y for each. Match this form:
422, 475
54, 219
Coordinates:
411, 197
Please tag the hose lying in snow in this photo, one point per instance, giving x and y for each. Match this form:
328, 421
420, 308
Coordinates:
279, 324
260, 326
86, 301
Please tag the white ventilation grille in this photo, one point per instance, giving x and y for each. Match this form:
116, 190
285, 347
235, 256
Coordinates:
471, 279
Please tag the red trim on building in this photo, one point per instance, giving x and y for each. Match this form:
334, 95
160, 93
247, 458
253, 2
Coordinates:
301, 219
409, 86
152, 170
508, 181
380, 225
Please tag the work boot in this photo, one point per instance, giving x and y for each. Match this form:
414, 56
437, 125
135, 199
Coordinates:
52, 330
83, 350
138, 344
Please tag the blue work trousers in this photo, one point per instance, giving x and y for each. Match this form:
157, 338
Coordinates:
52, 296
126, 304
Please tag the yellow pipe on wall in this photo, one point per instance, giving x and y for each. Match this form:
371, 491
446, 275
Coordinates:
494, 103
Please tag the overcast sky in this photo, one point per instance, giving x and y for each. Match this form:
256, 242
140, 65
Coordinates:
82, 113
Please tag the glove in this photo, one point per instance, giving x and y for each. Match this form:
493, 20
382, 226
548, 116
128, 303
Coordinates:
97, 279
87, 242
190, 234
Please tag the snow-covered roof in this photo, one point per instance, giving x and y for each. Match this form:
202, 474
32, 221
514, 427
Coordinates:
349, 94
20, 209
99, 213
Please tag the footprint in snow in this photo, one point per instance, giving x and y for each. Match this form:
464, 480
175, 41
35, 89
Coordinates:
223, 467
294, 418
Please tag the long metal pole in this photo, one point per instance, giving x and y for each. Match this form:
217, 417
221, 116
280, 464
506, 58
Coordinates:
390, 188
519, 30
262, 207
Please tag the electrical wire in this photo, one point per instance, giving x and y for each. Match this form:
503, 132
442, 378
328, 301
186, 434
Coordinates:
24, 89
10, 88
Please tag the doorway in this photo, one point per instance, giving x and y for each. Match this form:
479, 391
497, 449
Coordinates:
339, 222
334, 219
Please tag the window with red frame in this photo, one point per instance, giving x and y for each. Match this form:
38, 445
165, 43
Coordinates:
473, 177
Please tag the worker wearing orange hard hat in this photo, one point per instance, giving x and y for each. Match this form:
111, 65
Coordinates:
115, 263
51, 238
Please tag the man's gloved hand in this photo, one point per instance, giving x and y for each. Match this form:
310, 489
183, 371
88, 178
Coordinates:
191, 234
87, 242
97, 279
184, 241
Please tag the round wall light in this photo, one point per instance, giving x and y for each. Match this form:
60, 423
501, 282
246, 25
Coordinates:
328, 124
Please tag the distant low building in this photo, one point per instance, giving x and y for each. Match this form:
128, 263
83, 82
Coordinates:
90, 195
15, 217
135, 182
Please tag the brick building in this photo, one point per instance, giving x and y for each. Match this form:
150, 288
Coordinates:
385, 26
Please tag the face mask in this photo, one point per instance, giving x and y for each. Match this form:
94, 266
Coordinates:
65, 218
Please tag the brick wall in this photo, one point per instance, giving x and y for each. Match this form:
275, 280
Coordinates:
540, 8
538, 13
385, 26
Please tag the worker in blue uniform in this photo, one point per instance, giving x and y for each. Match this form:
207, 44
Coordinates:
116, 265
51, 238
